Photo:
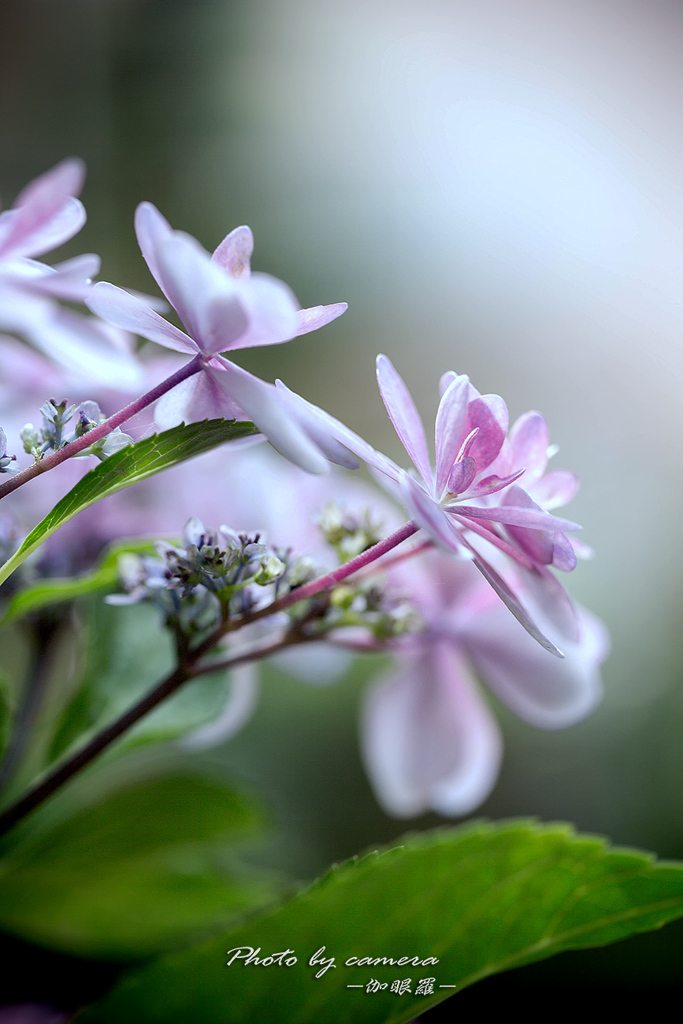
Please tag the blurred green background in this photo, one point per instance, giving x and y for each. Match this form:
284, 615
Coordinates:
494, 188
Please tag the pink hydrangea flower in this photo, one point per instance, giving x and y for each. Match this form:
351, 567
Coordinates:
458, 504
47, 214
429, 740
223, 306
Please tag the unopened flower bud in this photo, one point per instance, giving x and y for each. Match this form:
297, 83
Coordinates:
271, 568
30, 439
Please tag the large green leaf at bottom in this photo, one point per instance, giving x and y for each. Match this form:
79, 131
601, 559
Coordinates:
137, 871
481, 899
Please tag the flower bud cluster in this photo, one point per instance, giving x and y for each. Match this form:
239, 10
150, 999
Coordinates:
349, 533
53, 435
372, 606
211, 577
5, 459
222, 562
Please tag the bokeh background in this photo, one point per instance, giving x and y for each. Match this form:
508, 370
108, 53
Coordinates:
494, 188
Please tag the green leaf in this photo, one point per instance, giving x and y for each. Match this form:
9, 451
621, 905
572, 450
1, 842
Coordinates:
6, 713
132, 464
46, 592
127, 652
480, 899
137, 871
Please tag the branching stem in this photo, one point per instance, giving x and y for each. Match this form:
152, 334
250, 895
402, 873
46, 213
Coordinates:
190, 668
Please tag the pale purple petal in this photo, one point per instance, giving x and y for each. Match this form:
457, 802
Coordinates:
428, 740
88, 348
336, 439
555, 488
318, 316
582, 550
235, 252
429, 515
122, 309
462, 475
69, 280
547, 600
238, 709
404, 416
199, 397
63, 226
542, 690
530, 440
268, 410
491, 484
489, 413
319, 664
206, 299
447, 379
528, 518
45, 214
49, 191
537, 544
151, 229
322, 428
511, 601
450, 428
564, 555
272, 312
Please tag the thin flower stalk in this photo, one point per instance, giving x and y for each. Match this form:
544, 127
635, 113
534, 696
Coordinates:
78, 445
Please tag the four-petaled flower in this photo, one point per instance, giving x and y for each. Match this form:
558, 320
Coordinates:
223, 307
429, 740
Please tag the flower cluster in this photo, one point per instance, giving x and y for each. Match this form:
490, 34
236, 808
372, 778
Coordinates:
482, 539
199, 585
52, 437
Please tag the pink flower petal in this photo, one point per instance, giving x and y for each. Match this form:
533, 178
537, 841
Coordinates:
200, 397
322, 428
528, 518
272, 312
319, 424
318, 316
429, 515
129, 312
46, 213
151, 229
266, 408
529, 439
88, 348
537, 544
235, 251
206, 299
548, 601
564, 556
544, 691
491, 484
462, 475
490, 414
555, 488
405, 417
511, 601
428, 740
450, 428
